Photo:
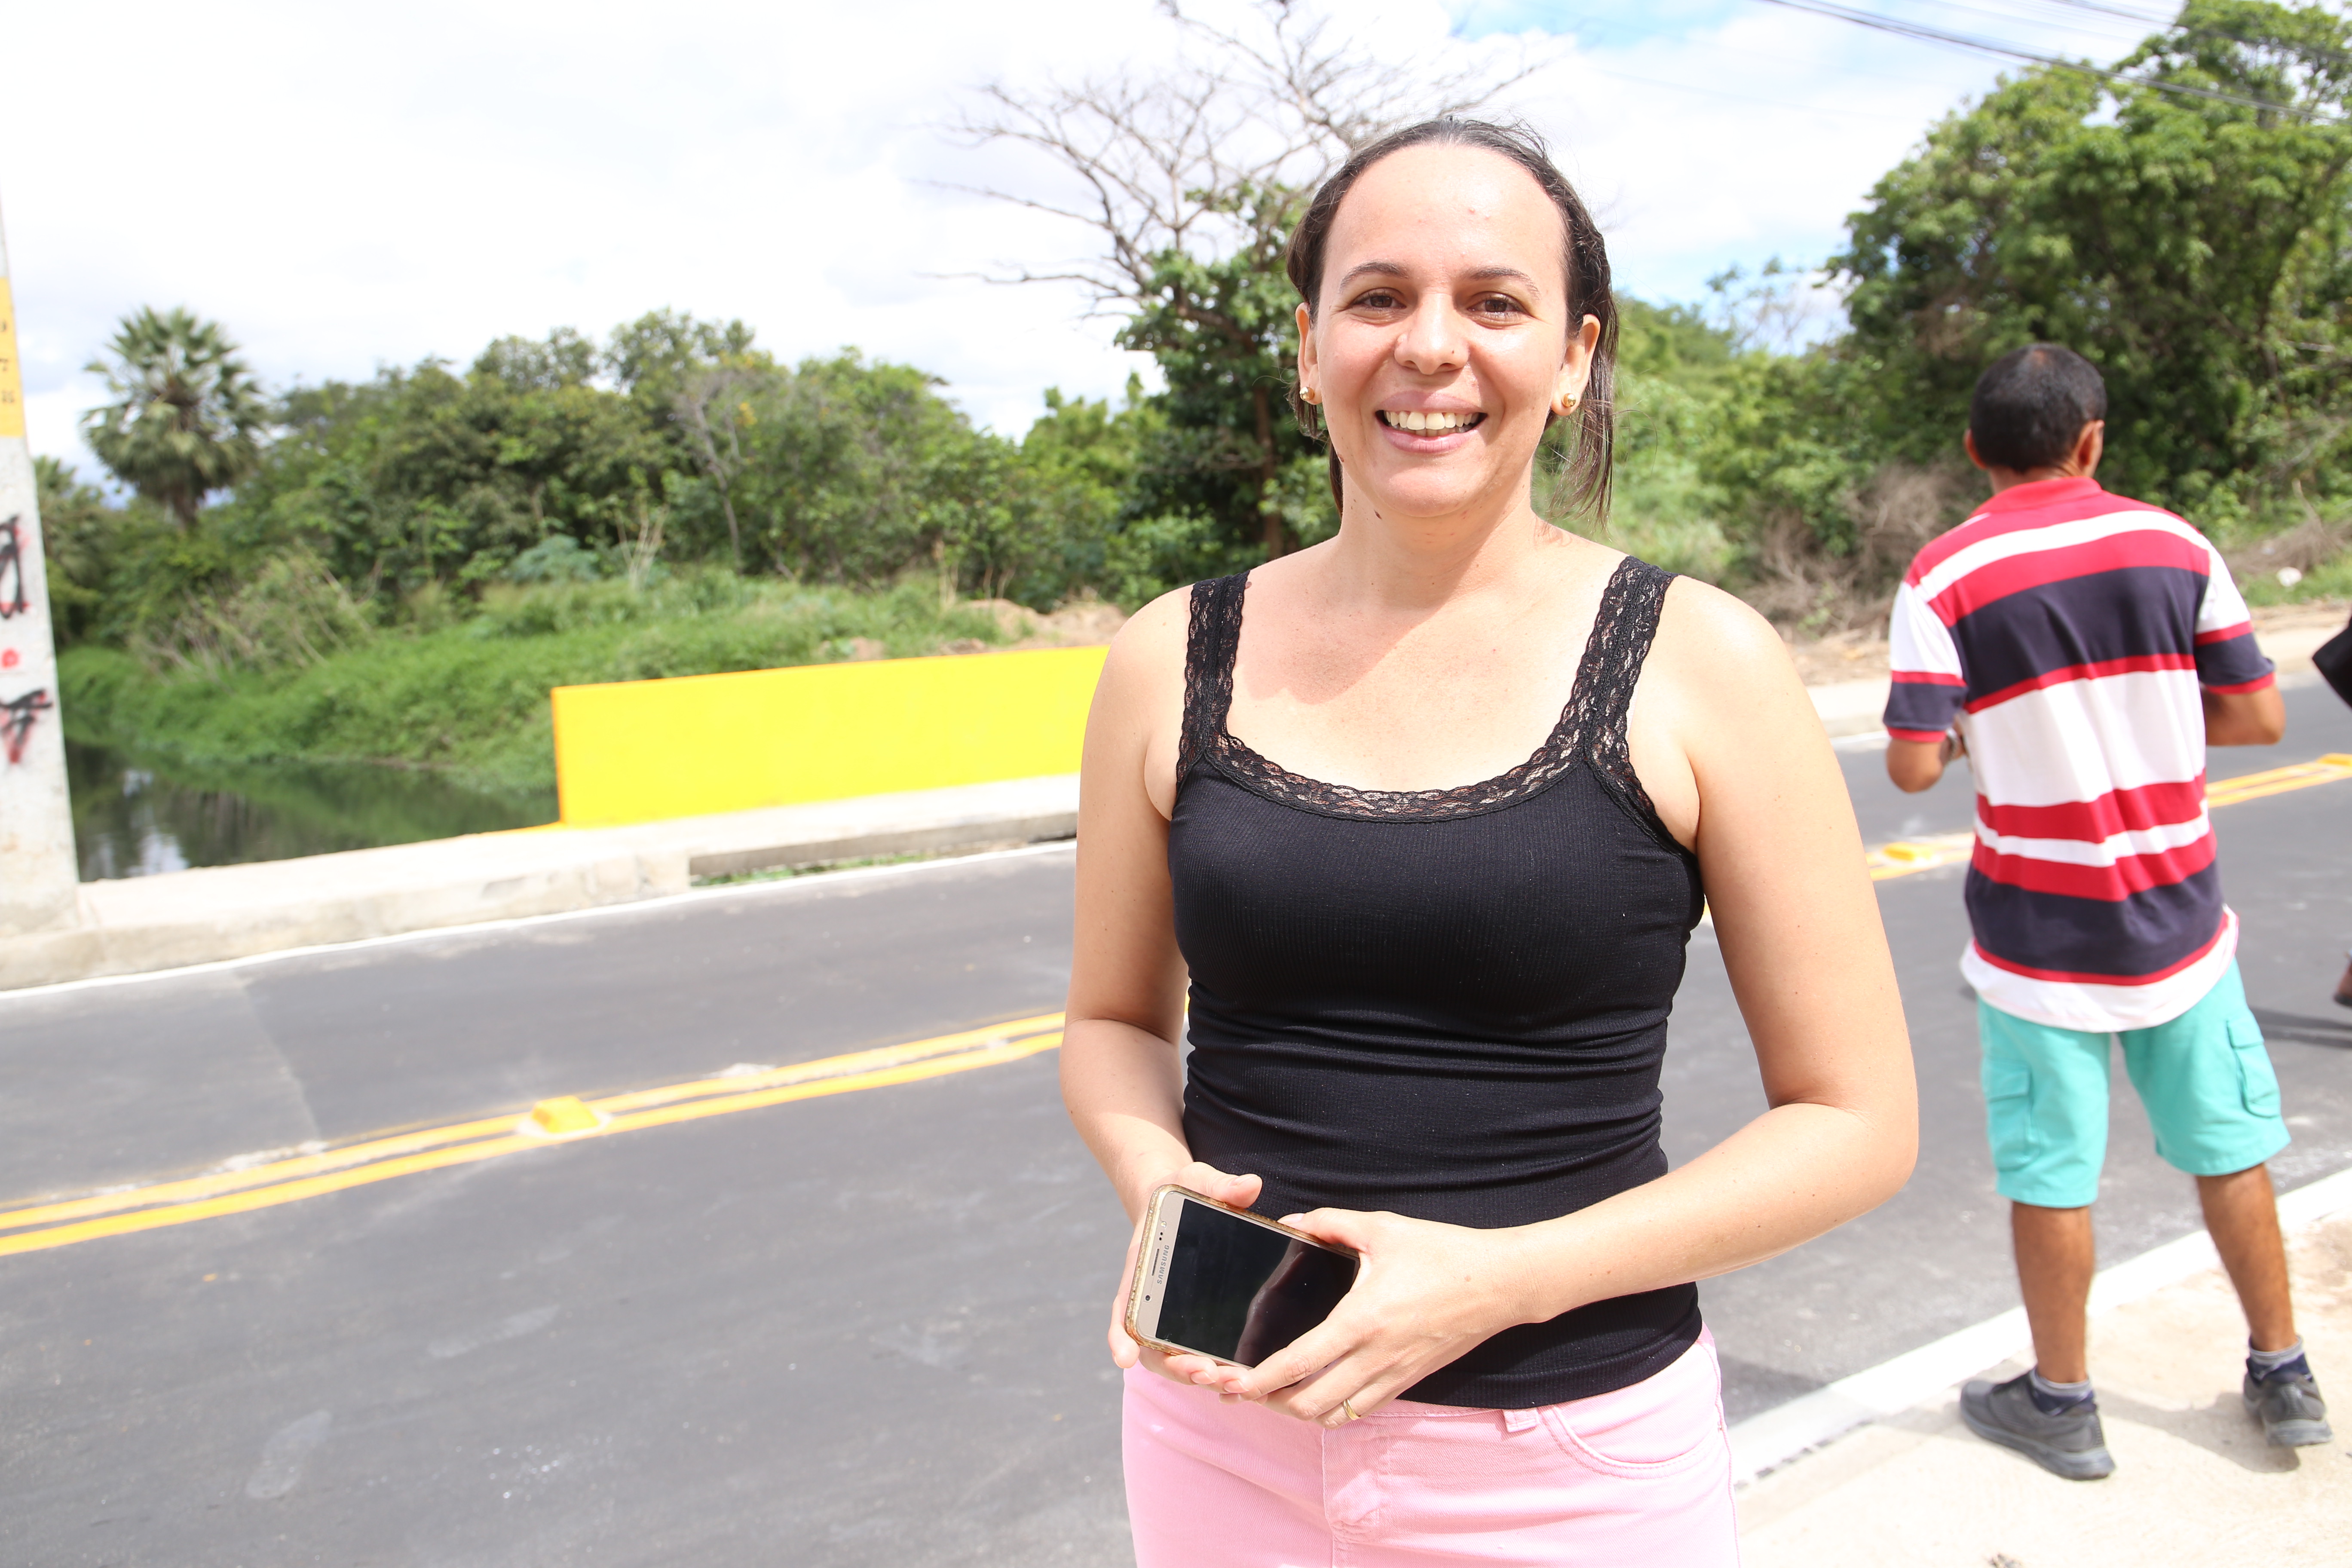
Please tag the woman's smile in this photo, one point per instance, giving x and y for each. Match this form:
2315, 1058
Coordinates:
1429, 430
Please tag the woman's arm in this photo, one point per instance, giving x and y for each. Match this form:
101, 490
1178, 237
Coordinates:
1731, 749
1122, 1078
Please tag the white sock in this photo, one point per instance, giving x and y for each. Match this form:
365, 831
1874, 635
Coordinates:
2263, 1362
2063, 1393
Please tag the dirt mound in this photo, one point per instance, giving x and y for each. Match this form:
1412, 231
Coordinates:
1082, 623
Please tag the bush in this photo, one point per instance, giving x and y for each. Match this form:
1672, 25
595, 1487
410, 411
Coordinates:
470, 698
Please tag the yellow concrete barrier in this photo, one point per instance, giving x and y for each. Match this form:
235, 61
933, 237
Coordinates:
642, 751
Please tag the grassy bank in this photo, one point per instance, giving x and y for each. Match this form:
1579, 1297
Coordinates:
463, 690
460, 687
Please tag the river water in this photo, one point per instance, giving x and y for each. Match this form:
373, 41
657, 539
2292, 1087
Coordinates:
137, 816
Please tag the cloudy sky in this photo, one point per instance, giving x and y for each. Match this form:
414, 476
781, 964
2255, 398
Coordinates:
346, 187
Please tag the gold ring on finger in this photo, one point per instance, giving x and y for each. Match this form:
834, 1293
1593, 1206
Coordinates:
1349, 1407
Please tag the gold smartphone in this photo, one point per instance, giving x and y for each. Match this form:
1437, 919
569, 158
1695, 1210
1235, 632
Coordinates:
1220, 1282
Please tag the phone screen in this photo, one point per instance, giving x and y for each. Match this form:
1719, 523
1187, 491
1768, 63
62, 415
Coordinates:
1241, 1291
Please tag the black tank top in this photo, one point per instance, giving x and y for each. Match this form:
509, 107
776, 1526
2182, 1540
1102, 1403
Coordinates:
1449, 1004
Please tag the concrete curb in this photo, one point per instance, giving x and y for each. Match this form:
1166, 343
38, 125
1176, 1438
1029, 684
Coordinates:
207, 915
1851, 707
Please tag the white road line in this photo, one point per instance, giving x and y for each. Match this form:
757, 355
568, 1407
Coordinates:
806, 885
1763, 1444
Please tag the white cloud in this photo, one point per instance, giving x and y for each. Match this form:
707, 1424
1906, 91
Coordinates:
346, 187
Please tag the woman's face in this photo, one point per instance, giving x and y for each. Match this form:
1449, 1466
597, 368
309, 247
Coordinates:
1442, 340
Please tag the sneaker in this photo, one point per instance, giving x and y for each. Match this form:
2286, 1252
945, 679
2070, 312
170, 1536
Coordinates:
2069, 1444
2288, 1405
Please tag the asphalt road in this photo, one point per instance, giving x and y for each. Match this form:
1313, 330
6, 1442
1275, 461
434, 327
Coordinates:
857, 1330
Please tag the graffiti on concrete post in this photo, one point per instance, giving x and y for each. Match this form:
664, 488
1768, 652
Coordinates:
13, 601
38, 885
17, 716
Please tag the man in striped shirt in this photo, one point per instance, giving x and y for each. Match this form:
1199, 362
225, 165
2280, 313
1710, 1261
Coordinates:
2082, 650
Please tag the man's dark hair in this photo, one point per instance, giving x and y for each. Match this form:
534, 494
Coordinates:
2029, 408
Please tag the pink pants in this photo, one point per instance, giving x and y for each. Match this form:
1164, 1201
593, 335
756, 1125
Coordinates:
1642, 1476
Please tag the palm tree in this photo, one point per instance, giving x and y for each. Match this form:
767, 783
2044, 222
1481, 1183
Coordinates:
186, 417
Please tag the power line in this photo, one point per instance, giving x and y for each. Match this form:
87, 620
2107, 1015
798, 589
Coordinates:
2172, 27
2140, 17
1582, 21
1922, 33
2076, 23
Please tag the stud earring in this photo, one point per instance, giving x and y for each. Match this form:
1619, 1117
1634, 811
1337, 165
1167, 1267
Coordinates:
1308, 394
1566, 405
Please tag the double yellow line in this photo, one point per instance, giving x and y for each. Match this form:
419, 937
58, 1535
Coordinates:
261, 1186
1908, 856
2279, 781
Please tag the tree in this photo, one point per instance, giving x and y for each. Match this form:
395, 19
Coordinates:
700, 376
839, 457
647, 356
712, 404
2183, 224
1189, 180
187, 417
420, 475
78, 535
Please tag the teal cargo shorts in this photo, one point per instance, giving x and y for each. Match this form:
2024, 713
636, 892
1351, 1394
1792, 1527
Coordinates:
2204, 1078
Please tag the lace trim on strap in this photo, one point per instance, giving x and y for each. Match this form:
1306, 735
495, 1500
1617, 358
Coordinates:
1590, 728
1212, 634
1639, 590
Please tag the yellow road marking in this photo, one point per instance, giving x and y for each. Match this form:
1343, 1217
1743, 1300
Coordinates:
2278, 781
1908, 857
382, 1159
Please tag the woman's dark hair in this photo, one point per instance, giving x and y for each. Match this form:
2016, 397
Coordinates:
1586, 481
2030, 406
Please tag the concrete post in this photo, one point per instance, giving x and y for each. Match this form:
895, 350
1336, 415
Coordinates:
39, 882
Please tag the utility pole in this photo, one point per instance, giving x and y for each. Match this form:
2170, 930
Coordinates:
37, 874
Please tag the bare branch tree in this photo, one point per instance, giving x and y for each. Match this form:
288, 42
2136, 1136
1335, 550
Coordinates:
1276, 102
1190, 178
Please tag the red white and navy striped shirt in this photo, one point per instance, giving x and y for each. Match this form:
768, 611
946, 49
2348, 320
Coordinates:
2065, 632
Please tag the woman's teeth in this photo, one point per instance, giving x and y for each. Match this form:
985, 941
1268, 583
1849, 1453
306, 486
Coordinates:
1428, 423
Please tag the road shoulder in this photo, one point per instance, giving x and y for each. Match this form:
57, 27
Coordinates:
2194, 1481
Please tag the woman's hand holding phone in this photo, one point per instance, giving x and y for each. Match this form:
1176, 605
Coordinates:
1426, 1295
1240, 1192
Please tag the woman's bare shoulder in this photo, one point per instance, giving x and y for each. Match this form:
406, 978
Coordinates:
1726, 666
1701, 623
1146, 665
1154, 635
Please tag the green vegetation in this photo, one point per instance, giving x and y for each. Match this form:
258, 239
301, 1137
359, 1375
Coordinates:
468, 695
416, 559
403, 565
2195, 247
2183, 224
2186, 227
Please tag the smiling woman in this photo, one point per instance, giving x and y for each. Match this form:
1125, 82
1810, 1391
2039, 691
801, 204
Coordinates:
1430, 968
1585, 379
